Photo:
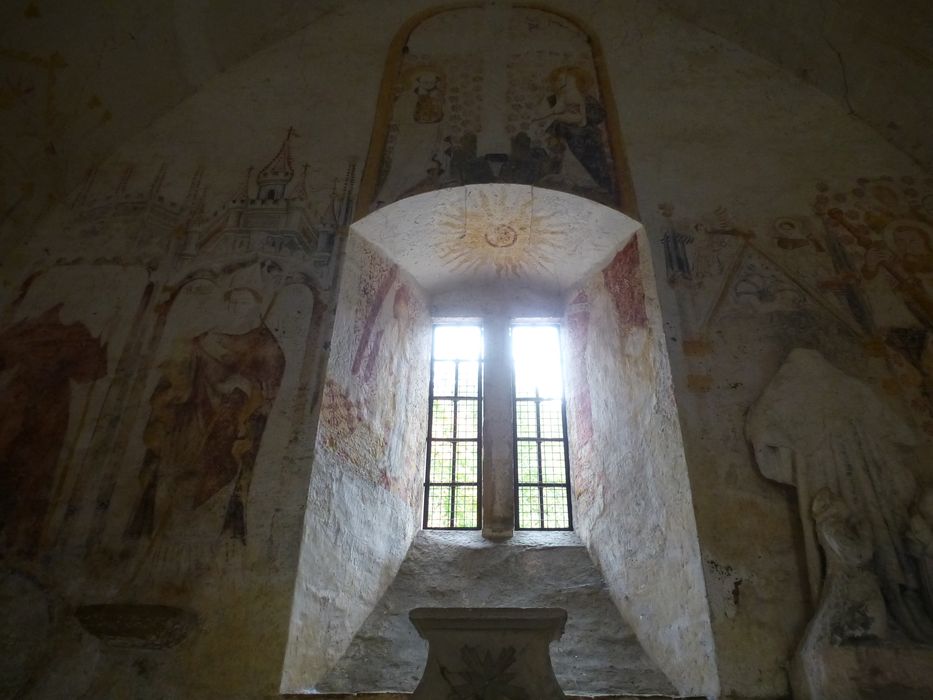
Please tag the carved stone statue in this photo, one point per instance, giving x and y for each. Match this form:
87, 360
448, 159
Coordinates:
851, 608
851, 605
816, 428
920, 542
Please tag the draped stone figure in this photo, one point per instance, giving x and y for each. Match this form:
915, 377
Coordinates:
920, 542
816, 428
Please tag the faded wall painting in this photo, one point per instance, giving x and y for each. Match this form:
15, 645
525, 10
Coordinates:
215, 393
495, 94
41, 357
879, 237
623, 280
208, 411
848, 278
859, 269
140, 389
577, 338
607, 338
372, 418
57, 354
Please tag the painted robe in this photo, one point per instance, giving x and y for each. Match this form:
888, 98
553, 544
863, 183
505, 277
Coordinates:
208, 414
40, 358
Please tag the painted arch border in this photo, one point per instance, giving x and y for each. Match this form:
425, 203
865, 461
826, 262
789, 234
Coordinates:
369, 181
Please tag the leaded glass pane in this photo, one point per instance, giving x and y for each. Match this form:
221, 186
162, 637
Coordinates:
442, 418
529, 507
438, 506
465, 506
442, 462
445, 374
453, 471
467, 418
526, 419
527, 457
467, 462
554, 505
468, 379
553, 466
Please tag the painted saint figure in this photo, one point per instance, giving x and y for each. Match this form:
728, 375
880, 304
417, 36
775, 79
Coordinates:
415, 164
575, 117
208, 413
40, 358
428, 88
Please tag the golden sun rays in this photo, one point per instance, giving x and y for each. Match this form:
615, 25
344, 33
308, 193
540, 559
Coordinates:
499, 232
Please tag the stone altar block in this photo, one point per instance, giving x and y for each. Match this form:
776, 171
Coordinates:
489, 652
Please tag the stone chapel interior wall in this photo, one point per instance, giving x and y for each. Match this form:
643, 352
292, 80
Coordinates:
738, 157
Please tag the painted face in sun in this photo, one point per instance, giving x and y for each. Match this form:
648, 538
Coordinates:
496, 234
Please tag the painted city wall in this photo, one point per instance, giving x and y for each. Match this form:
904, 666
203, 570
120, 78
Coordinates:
365, 497
162, 338
150, 399
631, 492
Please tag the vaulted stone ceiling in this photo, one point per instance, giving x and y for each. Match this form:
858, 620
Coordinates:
82, 77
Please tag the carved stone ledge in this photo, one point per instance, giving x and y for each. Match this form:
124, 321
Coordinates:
489, 652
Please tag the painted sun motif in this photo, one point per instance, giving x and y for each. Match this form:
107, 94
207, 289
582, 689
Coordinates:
500, 232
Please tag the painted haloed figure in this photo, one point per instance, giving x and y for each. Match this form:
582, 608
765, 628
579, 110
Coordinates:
429, 103
208, 413
40, 358
576, 118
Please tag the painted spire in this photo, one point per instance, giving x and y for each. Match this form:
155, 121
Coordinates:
276, 175
300, 191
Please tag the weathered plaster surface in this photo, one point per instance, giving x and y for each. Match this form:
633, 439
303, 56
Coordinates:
731, 148
597, 654
631, 492
364, 500
728, 150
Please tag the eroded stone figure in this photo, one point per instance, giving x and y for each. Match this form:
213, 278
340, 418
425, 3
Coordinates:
851, 608
817, 428
851, 605
920, 541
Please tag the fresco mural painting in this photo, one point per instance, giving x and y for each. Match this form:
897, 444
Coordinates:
536, 116
207, 416
40, 359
